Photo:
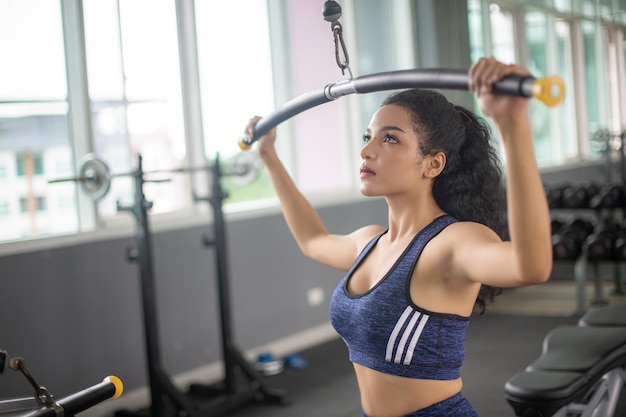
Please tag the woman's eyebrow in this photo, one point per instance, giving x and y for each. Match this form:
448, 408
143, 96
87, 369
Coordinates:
387, 128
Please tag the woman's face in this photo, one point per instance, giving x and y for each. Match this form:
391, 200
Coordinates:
391, 162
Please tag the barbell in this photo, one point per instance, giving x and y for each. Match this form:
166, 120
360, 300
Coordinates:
95, 176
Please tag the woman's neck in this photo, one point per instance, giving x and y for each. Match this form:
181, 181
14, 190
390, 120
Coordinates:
407, 219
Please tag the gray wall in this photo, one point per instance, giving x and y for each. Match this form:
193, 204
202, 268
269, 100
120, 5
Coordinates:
74, 313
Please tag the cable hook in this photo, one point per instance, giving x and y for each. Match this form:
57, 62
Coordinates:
332, 13
42, 395
343, 64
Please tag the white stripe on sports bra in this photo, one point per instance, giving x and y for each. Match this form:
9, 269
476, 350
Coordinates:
401, 349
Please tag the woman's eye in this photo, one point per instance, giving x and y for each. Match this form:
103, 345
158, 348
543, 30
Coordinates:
390, 139
366, 138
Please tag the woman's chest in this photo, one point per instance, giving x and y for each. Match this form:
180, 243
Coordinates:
417, 269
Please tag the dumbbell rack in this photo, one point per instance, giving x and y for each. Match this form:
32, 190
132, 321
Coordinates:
602, 211
200, 401
581, 199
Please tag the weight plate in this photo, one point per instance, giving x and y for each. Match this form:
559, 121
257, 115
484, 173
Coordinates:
247, 165
94, 177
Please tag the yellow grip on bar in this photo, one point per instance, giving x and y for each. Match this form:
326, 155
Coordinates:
549, 90
117, 383
243, 145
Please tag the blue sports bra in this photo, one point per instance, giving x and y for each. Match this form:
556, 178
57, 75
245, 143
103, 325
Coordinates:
385, 331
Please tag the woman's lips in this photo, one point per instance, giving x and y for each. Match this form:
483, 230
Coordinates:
366, 172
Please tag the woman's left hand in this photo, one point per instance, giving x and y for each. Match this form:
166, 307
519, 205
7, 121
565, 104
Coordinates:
482, 76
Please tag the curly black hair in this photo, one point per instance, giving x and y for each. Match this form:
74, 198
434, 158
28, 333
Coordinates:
471, 186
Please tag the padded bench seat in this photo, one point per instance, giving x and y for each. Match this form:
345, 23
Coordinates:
573, 360
614, 315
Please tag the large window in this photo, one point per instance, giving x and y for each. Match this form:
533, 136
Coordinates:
175, 82
97, 77
235, 67
135, 95
34, 140
565, 38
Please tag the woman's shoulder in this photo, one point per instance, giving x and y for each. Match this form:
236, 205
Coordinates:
469, 231
365, 234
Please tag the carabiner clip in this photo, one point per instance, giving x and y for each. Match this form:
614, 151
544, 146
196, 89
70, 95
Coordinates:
340, 48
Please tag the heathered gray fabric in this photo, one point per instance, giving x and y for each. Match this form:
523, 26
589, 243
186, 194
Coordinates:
385, 331
455, 406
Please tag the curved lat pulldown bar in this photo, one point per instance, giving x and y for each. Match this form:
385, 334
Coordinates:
549, 90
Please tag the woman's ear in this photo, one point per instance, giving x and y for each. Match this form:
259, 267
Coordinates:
435, 164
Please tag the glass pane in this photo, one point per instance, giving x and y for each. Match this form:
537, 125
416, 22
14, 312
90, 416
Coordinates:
476, 29
31, 39
104, 56
605, 9
537, 39
563, 5
567, 140
34, 139
236, 80
379, 55
589, 7
503, 45
592, 76
134, 83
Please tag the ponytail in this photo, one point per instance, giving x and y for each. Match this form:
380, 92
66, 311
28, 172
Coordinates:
471, 186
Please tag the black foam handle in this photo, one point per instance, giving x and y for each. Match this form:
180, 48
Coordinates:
436, 78
80, 401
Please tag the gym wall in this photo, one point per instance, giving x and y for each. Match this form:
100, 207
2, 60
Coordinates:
75, 315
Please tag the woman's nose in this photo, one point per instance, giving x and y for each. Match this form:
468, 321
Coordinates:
367, 150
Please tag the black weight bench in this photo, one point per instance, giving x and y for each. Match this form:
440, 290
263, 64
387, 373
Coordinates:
606, 316
580, 372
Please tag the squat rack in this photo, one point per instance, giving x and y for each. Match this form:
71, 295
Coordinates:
201, 400
95, 179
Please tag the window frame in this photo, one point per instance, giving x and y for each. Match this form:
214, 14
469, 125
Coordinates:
91, 227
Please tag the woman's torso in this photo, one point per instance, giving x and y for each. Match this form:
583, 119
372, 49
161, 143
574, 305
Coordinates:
433, 292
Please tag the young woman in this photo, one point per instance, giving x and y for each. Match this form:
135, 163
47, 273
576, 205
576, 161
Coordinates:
404, 305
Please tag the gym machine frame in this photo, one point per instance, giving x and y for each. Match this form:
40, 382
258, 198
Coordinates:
232, 357
442, 78
549, 90
161, 387
43, 404
95, 180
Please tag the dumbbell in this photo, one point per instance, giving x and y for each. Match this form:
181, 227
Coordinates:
619, 246
555, 226
567, 242
609, 196
578, 196
554, 195
601, 244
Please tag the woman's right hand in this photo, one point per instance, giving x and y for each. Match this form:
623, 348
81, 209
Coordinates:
265, 144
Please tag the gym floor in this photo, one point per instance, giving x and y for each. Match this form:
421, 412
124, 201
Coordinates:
498, 346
